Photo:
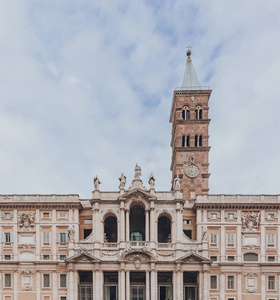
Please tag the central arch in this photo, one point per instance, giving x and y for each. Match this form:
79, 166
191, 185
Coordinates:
137, 223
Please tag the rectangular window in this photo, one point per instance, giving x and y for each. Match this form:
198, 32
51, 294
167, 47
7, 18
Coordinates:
62, 280
46, 280
62, 215
213, 282
8, 281
230, 239
7, 297
87, 221
230, 282
62, 297
230, 258
7, 215
270, 239
214, 258
46, 238
7, 257
46, 215
213, 239
46, 257
7, 237
62, 257
271, 258
62, 237
271, 283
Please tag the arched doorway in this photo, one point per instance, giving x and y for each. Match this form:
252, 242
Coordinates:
137, 223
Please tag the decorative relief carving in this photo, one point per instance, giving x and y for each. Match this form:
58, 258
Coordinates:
71, 234
250, 221
26, 221
26, 246
165, 253
251, 282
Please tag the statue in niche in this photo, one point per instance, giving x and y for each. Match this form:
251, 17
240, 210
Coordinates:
137, 172
137, 261
152, 181
26, 220
122, 180
250, 221
204, 235
71, 234
96, 182
176, 184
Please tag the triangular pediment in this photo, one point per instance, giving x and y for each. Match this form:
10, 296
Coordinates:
137, 193
82, 257
193, 257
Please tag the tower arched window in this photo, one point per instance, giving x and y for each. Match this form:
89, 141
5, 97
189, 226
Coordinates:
185, 113
198, 113
185, 141
198, 141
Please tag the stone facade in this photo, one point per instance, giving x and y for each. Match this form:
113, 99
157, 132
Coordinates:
139, 243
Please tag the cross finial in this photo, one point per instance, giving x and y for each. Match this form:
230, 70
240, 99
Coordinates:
189, 47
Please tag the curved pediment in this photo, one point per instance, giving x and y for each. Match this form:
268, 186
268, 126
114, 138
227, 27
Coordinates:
193, 257
132, 255
137, 193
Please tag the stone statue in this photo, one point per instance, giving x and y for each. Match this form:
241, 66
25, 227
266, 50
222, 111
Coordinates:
177, 185
122, 180
96, 182
71, 234
137, 172
152, 181
204, 235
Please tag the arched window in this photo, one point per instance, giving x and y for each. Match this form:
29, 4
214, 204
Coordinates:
164, 230
136, 236
198, 113
185, 113
198, 141
251, 257
110, 230
185, 141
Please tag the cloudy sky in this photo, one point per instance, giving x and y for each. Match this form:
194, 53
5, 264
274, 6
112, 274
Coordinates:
86, 89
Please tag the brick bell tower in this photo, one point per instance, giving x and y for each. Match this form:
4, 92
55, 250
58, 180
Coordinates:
190, 139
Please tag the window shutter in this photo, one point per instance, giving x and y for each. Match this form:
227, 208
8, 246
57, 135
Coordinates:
2, 215
66, 237
57, 237
266, 216
11, 215
226, 215
2, 237
275, 216
12, 237
218, 215
209, 215
235, 215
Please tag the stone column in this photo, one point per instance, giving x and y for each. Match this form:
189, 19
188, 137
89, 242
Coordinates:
127, 225
152, 222
174, 284
96, 286
101, 284
200, 287
205, 284
179, 222
16, 285
75, 284
147, 226
222, 286
179, 283
239, 286
55, 285
127, 284
263, 285
223, 242
153, 283
147, 285
38, 287
54, 234
263, 238
122, 224
15, 234
38, 234
70, 290
239, 243
122, 284
198, 221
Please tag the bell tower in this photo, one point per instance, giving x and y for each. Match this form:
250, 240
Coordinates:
190, 139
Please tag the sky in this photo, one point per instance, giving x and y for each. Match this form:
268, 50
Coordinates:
86, 89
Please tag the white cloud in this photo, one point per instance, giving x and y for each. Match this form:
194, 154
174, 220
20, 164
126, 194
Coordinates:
86, 89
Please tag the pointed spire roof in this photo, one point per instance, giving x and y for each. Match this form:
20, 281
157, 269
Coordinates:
190, 80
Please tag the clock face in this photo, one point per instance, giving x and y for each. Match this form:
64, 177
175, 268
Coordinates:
192, 171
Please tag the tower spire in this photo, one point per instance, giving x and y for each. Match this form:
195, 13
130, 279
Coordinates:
190, 79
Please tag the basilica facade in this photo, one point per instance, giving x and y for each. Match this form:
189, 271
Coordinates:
138, 243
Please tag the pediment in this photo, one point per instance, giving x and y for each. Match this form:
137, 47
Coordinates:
137, 193
193, 257
143, 255
82, 257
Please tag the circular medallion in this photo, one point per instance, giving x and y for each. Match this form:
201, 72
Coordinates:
192, 171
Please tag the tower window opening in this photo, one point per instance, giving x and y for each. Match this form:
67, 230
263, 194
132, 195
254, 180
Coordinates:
185, 113
185, 141
198, 113
198, 140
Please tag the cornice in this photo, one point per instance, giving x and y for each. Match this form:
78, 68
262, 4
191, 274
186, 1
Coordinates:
248, 206
29, 205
